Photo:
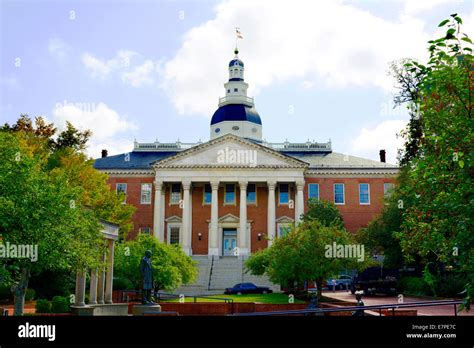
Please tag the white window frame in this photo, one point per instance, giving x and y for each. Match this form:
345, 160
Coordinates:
126, 188
256, 195
387, 192
279, 194
343, 193
204, 195
309, 190
235, 195
283, 225
170, 226
141, 192
368, 192
149, 230
180, 193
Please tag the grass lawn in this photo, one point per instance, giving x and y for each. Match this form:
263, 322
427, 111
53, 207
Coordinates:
257, 298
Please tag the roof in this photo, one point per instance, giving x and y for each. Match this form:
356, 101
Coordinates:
136, 160
236, 61
316, 159
236, 112
337, 160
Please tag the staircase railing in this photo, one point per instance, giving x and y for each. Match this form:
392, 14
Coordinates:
210, 273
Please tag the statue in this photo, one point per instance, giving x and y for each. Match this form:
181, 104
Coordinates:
146, 272
360, 303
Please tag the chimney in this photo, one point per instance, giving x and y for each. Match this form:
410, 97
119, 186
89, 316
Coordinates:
382, 156
104, 153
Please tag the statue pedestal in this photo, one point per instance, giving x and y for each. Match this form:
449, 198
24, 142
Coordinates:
141, 310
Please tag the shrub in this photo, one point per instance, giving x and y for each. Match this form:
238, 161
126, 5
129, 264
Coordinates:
59, 304
122, 284
29, 294
5, 293
451, 285
43, 306
414, 286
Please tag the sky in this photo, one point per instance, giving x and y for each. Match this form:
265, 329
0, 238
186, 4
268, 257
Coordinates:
154, 70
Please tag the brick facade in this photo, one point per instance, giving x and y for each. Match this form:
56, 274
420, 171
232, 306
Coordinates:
355, 215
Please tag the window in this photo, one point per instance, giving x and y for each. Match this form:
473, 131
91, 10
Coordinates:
145, 230
228, 91
313, 191
339, 194
284, 196
364, 194
122, 188
207, 199
236, 89
283, 230
145, 196
229, 194
387, 188
251, 194
175, 193
174, 235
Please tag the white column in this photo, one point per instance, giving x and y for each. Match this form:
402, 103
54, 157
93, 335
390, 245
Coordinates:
186, 224
162, 212
93, 287
271, 212
299, 204
158, 232
101, 282
243, 237
80, 288
214, 236
109, 282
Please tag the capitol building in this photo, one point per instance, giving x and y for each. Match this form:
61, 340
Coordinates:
236, 193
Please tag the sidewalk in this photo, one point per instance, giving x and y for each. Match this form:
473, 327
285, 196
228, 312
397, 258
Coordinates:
446, 310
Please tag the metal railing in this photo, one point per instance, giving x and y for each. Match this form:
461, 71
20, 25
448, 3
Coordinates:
167, 296
357, 308
210, 273
236, 99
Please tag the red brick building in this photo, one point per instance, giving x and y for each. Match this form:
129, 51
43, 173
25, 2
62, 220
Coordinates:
236, 193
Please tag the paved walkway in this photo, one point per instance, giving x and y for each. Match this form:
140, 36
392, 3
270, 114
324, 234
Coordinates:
448, 310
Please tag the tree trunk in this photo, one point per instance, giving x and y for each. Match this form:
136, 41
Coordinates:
319, 284
19, 291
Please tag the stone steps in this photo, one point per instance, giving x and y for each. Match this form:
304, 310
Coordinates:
226, 272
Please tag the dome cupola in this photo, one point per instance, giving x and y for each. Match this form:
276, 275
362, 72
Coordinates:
236, 113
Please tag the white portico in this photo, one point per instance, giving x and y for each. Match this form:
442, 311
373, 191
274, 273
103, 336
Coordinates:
227, 159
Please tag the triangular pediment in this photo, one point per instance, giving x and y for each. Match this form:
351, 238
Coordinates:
174, 219
229, 218
230, 151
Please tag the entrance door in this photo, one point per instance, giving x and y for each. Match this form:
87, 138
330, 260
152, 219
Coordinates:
229, 242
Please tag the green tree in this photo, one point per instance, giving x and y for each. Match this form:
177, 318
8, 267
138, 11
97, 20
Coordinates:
171, 266
325, 212
437, 227
302, 255
53, 198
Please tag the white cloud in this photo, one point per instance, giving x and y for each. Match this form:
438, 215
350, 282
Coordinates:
382, 136
101, 68
415, 7
58, 49
135, 75
104, 122
285, 41
142, 75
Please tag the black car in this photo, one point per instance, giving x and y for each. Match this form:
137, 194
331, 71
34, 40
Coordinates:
247, 288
